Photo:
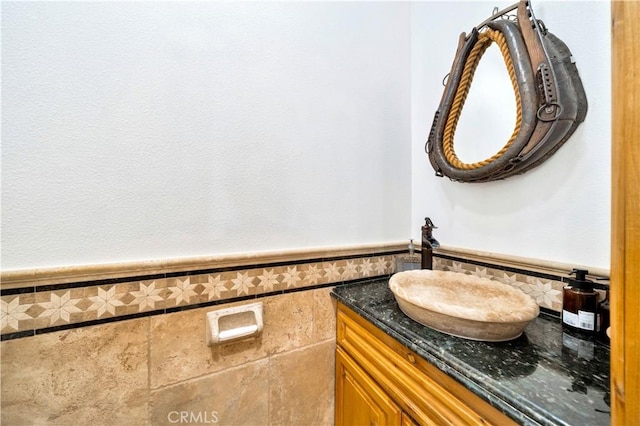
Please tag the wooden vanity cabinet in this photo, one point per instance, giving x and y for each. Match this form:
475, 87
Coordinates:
381, 382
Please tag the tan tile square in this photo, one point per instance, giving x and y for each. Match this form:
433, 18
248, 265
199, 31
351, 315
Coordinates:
127, 298
300, 395
167, 304
90, 291
162, 304
495, 274
288, 320
27, 298
469, 268
87, 316
35, 311
41, 322
324, 315
84, 304
200, 278
76, 317
254, 272
161, 282
228, 275
77, 293
44, 296
126, 310
77, 376
234, 397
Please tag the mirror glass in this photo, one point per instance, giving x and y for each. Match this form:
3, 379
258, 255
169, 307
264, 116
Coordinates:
489, 114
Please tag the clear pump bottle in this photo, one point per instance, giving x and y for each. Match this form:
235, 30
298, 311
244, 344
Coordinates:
408, 262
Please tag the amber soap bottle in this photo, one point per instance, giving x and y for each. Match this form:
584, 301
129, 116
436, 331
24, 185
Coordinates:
580, 304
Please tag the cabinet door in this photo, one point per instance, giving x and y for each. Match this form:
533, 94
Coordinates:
359, 400
418, 388
408, 421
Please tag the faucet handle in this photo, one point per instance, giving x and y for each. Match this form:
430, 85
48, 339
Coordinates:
428, 223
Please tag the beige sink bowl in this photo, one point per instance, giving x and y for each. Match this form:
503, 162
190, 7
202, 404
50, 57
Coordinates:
463, 305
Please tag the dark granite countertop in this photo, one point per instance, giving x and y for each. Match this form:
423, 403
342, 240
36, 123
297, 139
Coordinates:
545, 376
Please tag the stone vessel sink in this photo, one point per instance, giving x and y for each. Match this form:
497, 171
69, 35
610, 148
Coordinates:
463, 305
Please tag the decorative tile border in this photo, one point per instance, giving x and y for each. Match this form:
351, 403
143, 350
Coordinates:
545, 288
547, 292
42, 307
49, 308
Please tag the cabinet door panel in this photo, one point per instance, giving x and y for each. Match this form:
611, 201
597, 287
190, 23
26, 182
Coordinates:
421, 391
359, 400
408, 421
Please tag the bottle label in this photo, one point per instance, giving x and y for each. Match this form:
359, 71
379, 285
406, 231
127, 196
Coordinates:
570, 318
583, 320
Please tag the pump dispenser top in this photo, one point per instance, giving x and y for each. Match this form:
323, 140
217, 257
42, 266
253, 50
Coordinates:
580, 282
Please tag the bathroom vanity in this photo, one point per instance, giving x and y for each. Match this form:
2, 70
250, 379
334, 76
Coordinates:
391, 370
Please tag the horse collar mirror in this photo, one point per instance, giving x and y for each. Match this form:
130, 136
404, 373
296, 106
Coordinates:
550, 99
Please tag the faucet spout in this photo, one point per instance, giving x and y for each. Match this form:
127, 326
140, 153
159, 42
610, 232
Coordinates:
428, 244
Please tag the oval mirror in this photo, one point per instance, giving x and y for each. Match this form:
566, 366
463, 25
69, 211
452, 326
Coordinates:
489, 114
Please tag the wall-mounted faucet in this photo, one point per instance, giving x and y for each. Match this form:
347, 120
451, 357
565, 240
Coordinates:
428, 244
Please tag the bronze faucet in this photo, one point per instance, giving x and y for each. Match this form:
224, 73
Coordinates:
428, 244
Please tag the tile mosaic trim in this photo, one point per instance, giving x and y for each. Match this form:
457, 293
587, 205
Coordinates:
42, 308
546, 292
51, 308
546, 289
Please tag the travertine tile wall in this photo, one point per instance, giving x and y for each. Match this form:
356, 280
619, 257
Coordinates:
86, 375
158, 370
133, 351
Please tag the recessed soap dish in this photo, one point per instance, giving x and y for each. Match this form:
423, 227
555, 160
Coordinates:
235, 323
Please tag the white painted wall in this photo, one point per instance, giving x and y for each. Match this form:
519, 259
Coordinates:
145, 130
559, 211
150, 130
